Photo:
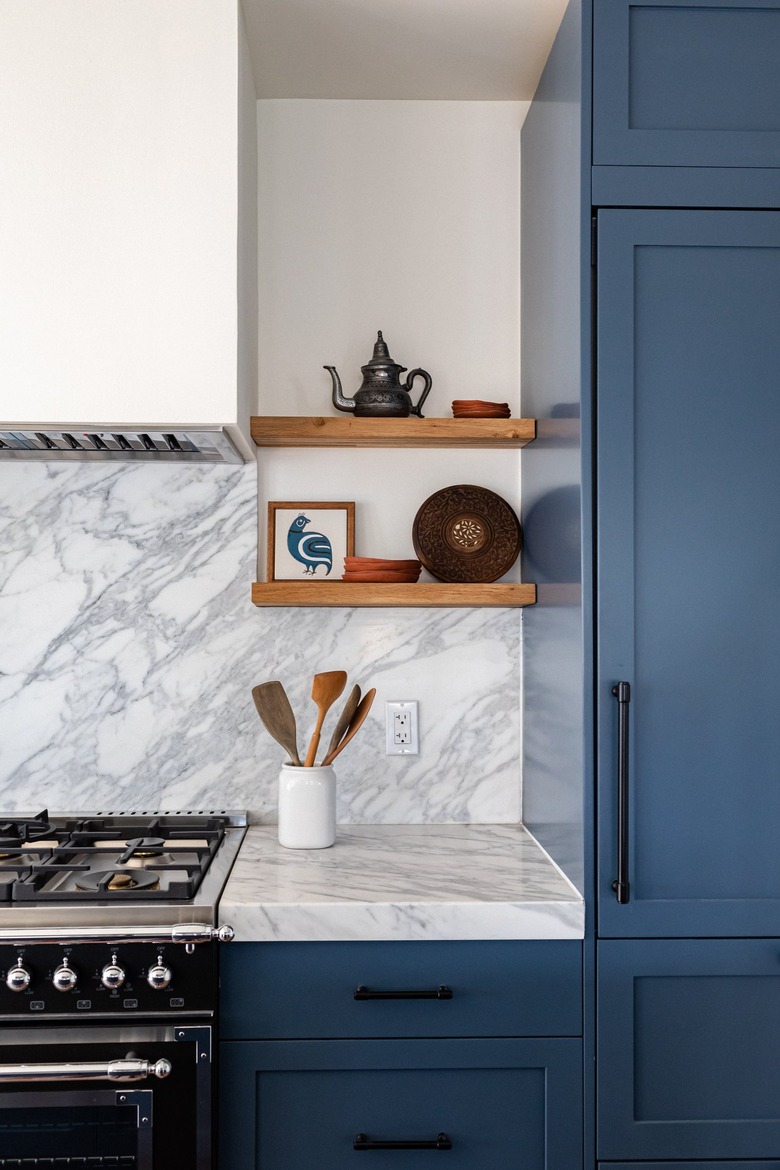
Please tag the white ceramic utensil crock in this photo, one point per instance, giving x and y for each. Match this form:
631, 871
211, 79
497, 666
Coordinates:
307, 807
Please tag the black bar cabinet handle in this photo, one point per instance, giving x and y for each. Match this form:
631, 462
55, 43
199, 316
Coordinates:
432, 993
622, 692
442, 1142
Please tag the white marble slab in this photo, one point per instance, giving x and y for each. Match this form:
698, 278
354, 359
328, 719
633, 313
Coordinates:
129, 648
401, 882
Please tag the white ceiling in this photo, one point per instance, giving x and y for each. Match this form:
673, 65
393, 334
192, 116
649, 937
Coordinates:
469, 50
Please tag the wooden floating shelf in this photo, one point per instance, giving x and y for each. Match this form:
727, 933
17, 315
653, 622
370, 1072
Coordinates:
361, 594
294, 431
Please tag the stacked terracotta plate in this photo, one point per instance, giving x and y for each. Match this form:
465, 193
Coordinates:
478, 408
377, 569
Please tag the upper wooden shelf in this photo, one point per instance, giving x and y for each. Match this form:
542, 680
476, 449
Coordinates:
294, 431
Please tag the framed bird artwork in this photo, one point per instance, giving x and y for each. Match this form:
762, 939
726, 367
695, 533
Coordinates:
308, 541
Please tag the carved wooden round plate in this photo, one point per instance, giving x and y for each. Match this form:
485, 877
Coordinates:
466, 534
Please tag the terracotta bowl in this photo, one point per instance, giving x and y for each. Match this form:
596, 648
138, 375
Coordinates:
366, 563
380, 575
477, 403
482, 412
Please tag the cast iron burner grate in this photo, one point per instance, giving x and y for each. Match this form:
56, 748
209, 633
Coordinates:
155, 858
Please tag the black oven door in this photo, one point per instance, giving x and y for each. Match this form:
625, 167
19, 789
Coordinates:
129, 1098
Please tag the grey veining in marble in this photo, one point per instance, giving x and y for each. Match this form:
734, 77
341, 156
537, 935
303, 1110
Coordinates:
129, 647
401, 882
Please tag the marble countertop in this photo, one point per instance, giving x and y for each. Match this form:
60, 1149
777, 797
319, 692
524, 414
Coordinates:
401, 882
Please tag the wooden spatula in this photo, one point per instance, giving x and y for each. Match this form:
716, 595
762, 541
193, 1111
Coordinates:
343, 721
358, 719
325, 689
274, 709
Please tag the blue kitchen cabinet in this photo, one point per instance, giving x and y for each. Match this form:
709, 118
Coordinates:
691, 84
688, 561
400, 1042
687, 1049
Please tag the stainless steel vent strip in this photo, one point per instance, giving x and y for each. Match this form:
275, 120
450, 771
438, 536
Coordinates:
119, 445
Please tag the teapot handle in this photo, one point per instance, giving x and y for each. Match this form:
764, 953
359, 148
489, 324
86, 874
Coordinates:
408, 386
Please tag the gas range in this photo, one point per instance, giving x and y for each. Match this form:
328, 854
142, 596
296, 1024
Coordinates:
108, 986
114, 869
112, 914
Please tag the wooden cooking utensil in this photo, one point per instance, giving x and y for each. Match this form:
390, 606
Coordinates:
344, 718
274, 709
325, 689
358, 719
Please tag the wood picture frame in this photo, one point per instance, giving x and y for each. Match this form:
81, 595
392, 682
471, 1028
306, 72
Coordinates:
307, 537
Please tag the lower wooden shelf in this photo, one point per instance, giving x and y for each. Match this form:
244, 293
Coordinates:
426, 594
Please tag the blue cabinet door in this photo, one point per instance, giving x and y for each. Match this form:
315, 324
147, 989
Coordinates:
688, 562
300, 1105
691, 83
771, 1164
687, 1049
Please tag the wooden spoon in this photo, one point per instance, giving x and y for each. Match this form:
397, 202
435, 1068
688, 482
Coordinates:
274, 709
325, 689
343, 721
358, 719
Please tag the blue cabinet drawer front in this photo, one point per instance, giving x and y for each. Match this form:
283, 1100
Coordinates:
686, 84
751, 1165
687, 1049
300, 1105
279, 990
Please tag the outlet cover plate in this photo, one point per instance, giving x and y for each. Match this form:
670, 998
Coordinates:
402, 728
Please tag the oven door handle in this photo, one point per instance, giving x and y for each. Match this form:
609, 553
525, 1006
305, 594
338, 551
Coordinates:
130, 1068
188, 933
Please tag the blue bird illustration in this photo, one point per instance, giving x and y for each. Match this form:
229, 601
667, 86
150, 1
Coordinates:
310, 548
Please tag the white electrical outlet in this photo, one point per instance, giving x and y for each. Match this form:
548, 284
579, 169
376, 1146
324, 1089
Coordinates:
402, 729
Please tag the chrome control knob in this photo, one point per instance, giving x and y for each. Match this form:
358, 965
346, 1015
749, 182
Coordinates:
18, 978
112, 976
159, 976
65, 978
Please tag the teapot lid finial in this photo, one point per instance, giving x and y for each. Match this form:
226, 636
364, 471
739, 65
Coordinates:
381, 354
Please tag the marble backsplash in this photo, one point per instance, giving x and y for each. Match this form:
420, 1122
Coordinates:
129, 646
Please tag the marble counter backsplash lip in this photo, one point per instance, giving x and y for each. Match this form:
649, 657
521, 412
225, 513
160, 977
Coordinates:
401, 882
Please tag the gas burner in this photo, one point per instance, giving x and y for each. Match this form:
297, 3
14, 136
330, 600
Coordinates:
141, 847
124, 881
15, 832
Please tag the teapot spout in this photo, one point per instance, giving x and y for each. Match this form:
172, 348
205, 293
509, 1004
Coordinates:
339, 401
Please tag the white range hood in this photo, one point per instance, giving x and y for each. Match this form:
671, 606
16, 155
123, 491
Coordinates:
128, 228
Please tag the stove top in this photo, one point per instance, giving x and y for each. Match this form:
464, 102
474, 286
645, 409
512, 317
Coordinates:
128, 862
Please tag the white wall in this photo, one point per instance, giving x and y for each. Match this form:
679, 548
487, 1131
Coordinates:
401, 216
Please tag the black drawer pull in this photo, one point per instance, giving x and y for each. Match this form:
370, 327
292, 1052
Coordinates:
442, 1142
437, 993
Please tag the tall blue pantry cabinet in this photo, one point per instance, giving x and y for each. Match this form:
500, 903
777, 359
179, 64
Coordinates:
686, 142
676, 173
